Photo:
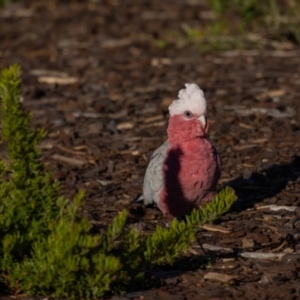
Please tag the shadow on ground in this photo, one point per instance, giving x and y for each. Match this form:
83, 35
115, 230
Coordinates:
267, 183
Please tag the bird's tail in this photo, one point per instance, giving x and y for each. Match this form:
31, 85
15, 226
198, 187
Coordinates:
138, 198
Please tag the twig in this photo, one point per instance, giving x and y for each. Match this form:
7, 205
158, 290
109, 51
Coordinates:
219, 277
210, 227
69, 160
274, 207
279, 247
266, 255
216, 248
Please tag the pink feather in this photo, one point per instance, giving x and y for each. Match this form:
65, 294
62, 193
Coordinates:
191, 168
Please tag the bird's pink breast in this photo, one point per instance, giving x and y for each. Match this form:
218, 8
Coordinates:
191, 172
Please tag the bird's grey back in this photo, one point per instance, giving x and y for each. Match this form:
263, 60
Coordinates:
154, 177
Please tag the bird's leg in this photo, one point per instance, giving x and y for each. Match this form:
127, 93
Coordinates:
200, 244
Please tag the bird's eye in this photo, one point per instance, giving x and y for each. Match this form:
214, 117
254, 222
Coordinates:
187, 114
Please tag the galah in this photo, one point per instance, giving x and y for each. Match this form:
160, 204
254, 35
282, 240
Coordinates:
183, 172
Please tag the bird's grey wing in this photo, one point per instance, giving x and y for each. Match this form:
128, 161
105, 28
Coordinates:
154, 179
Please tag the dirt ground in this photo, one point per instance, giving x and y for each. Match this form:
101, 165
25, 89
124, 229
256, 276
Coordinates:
97, 78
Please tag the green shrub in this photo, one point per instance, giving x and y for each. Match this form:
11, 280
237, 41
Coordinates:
45, 244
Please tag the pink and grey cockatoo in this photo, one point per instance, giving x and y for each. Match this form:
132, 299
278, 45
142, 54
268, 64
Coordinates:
184, 171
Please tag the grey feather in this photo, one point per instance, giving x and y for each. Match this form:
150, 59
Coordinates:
154, 178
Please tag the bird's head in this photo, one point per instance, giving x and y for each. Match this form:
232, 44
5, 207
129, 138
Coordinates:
188, 115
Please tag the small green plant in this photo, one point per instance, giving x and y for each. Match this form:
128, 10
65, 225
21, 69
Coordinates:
46, 246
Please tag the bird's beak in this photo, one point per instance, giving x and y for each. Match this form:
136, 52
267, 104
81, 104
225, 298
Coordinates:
202, 119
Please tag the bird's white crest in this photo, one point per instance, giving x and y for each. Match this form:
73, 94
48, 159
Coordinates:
191, 98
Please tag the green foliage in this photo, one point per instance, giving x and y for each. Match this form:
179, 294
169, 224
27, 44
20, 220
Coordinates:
24, 182
240, 24
46, 246
3, 2
247, 9
276, 18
